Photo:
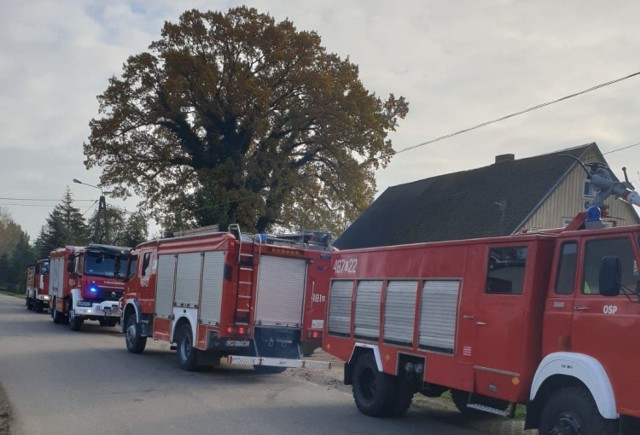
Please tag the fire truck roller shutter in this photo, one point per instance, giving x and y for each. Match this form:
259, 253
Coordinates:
340, 307
188, 279
367, 321
439, 315
164, 286
281, 287
400, 311
212, 278
56, 280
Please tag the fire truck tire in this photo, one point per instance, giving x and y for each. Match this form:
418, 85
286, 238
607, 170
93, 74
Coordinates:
460, 399
108, 322
75, 323
308, 348
402, 402
572, 410
55, 314
373, 391
135, 342
187, 354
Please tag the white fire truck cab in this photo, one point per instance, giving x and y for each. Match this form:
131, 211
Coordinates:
86, 283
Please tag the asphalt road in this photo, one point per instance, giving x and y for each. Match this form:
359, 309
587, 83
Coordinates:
78, 383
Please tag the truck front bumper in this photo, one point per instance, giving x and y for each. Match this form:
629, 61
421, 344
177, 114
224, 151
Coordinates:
102, 309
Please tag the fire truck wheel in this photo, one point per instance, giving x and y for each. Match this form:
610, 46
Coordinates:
135, 342
373, 391
460, 399
573, 411
75, 323
187, 354
110, 323
55, 314
402, 402
307, 348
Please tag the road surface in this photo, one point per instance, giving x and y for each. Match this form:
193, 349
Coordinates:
78, 383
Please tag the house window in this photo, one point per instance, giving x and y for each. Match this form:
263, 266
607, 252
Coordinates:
588, 190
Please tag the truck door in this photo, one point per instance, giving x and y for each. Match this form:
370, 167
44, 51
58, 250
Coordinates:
605, 327
498, 317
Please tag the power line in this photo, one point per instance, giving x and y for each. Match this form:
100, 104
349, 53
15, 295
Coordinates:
620, 149
25, 205
6, 198
530, 109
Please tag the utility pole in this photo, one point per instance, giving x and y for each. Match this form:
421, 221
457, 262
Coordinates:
101, 232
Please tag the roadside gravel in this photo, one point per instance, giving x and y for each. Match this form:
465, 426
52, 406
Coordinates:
5, 413
439, 409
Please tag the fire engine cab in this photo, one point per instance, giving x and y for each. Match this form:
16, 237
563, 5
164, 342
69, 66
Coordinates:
254, 299
543, 319
37, 293
86, 283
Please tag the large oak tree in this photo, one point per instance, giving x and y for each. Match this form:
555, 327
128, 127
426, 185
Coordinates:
237, 118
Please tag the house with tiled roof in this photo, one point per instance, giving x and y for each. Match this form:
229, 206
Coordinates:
508, 197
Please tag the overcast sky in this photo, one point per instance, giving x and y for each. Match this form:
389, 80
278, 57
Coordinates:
458, 63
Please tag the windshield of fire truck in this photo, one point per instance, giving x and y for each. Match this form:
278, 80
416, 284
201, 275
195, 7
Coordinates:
43, 268
104, 264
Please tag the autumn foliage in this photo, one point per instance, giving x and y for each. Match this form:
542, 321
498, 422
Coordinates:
237, 118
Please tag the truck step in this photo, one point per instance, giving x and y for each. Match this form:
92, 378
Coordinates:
484, 408
278, 362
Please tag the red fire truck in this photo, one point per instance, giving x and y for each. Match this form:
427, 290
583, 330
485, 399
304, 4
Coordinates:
256, 300
86, 283
37, 294
542, 319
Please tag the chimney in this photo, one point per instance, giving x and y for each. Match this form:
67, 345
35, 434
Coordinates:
505, 158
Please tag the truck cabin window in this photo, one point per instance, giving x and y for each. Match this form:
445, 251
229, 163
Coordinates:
620, 248
132, 266
104, 264
506, 270
146, 262
566, 268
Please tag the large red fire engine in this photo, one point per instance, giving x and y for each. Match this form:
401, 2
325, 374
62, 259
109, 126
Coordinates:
86, 283
37, 293
542, 319
254, 300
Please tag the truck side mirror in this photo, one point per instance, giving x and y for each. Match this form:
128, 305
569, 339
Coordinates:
71, 267
610, 276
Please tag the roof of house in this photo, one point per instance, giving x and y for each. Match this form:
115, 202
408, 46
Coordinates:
490, 201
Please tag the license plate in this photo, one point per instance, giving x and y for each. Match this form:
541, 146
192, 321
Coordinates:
238, 343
